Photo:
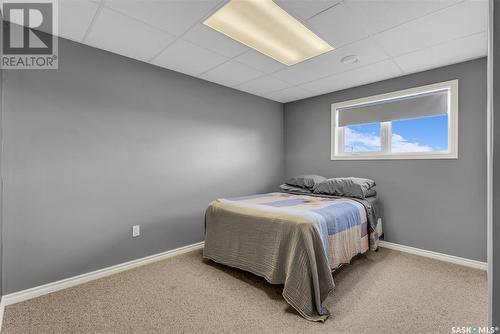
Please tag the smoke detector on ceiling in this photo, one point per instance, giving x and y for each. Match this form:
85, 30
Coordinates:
351, 59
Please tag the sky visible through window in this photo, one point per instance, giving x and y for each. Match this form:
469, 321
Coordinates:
427, 134
362, 138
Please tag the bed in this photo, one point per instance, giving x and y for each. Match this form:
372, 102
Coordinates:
292, 239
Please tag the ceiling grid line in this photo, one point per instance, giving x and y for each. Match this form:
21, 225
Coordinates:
421, 16
214, 9
119, 12
443, 43
94, 19
341, 2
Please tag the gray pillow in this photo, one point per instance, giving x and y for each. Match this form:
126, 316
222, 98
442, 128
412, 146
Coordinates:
346, 186
371, 192
291, 189
305, 181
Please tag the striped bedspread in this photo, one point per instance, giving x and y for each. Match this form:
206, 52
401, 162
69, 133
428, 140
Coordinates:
289, 239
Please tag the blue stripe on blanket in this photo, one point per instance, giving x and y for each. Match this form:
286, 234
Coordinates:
340, 217
286, 202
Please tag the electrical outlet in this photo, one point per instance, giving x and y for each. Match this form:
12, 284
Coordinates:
136, 231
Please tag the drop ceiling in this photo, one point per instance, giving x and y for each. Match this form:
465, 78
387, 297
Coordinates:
391, 38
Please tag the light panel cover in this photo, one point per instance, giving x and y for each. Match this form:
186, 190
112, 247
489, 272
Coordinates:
267, 28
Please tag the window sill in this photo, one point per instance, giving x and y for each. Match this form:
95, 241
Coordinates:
410, 156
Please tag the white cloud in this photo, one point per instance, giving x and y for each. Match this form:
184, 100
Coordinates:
356, 141
361, 142
400, 144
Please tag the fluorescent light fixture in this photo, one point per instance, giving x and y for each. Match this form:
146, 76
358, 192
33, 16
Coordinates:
267, 28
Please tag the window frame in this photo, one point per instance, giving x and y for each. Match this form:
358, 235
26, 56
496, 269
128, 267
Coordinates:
337, 133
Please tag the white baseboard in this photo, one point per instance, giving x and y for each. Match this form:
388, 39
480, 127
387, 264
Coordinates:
37, 291
41, 290
2, 309
434, 255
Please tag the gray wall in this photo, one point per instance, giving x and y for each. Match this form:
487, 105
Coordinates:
437, 205
107, 142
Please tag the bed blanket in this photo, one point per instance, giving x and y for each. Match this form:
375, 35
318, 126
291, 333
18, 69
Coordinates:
294, 240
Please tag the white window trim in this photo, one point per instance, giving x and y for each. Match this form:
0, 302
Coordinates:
337, 134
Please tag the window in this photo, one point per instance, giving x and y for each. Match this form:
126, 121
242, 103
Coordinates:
362, 138
417, 123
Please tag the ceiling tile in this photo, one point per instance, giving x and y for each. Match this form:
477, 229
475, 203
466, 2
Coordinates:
213, 40
259, 61
305, 9
461, 20
289, 94
356, 77
330, 63
173, 16
188, 58
117, 33
384, 14
459, 50
338, 26
263, 85
231, 74
75, 17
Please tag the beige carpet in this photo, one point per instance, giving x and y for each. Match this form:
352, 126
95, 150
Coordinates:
384, 292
